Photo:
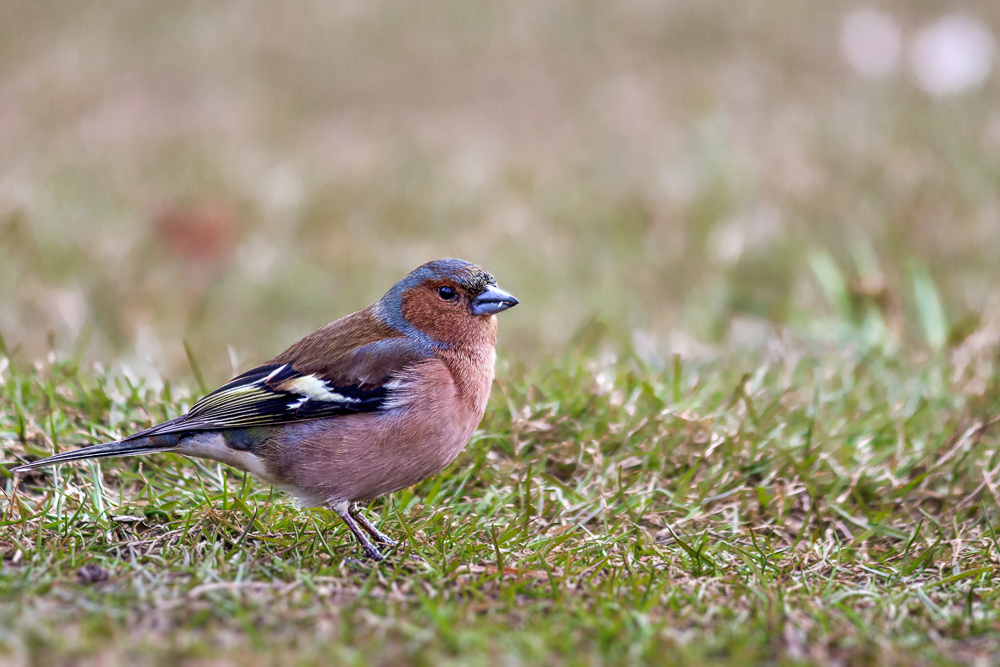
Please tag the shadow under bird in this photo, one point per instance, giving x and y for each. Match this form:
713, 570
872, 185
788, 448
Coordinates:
369, 404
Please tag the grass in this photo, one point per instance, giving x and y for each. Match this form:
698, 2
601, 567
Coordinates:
816, 505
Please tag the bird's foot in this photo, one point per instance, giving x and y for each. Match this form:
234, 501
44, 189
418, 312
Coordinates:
370, 528
372, 553
379, 537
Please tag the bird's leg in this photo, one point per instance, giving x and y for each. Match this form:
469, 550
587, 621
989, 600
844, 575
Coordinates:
343, 511
377, 535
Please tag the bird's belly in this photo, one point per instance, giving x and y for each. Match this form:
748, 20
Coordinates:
365, 456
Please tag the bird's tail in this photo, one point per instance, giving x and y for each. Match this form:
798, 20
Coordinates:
130, 447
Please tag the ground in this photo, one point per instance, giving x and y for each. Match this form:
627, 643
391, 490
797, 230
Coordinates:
821, 506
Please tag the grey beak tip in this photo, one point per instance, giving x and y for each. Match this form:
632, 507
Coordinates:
492, 301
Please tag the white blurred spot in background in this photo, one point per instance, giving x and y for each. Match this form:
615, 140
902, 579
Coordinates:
952, 54
871, 41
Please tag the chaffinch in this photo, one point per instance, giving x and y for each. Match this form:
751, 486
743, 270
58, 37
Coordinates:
367, 405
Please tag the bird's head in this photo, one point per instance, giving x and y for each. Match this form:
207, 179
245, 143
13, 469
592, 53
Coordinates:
447, 302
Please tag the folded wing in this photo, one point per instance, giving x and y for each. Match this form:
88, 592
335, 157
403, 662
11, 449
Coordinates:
277, 393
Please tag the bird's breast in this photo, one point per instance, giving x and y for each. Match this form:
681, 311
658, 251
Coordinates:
429, 419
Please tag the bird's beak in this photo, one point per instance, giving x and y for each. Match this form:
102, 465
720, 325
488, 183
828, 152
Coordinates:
492, 300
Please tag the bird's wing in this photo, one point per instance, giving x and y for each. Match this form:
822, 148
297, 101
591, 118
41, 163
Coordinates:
284, 391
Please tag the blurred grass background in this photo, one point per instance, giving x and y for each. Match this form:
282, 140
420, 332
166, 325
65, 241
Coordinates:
236, 174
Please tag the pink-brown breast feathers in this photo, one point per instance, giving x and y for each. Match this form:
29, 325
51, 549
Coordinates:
363, 456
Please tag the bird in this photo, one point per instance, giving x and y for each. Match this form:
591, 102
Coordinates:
369, 404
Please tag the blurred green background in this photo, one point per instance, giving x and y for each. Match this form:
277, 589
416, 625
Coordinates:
690, 174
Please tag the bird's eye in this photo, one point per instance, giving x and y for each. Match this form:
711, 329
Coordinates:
446, 293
